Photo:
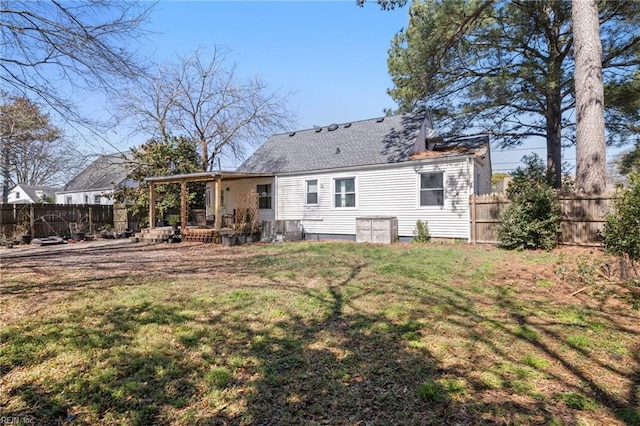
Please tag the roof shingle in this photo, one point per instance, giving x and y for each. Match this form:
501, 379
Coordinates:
103, 174
368, 142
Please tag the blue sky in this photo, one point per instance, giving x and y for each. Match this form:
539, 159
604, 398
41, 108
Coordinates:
331, 55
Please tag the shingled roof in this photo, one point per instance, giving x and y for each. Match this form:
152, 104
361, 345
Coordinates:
36, 192
376, 141
103, 174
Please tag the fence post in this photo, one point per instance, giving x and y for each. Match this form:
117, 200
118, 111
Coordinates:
32, 220
473, 218
90, 220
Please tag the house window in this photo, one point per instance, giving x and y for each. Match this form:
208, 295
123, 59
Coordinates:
264, 196
311, 191
17, 195
68, 199
432, 189
345, 192
86, 199
96, 199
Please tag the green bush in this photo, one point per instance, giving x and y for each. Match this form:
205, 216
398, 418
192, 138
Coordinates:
622, 229
421, 233
532, 219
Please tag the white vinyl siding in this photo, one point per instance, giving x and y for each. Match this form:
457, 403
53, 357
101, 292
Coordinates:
95, 197
381, 191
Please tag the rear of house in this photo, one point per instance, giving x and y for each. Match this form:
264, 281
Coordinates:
326, 178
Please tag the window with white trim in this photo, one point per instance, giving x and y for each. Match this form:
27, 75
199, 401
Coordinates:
68, 199
96, 199
264, 196
311, 191
345, 192
432, 189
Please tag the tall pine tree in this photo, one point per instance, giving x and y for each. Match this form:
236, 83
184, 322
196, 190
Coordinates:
506, 68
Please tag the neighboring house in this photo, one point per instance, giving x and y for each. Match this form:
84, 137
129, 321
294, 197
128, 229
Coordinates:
29, 194
396, 166
96, 183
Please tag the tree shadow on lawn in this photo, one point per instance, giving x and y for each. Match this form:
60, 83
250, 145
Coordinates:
582, 370
92, 369
353, 367
334, 360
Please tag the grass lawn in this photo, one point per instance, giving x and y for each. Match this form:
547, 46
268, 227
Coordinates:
318, 333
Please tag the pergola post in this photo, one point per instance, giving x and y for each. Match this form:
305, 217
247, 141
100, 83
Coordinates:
183, 204
152, 205
216, 208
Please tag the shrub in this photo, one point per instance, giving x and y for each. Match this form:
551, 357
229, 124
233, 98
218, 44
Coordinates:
532, 219
421, 233
622, 230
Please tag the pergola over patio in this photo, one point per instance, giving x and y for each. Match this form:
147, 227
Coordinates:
216, 177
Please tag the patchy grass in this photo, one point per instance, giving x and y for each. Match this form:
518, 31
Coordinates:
316, 333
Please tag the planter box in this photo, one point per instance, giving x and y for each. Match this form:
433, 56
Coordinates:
78, 236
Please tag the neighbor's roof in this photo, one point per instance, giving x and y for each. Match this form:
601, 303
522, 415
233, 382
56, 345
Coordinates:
104, 173
368, 142
32, 190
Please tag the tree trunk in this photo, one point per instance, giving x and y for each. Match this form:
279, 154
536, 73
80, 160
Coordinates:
590, 138
554, 141
204, 154
6, 171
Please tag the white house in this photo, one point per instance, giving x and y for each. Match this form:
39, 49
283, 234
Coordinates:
96, 182
397, 166
29, 194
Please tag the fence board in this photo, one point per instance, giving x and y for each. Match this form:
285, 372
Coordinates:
583, 218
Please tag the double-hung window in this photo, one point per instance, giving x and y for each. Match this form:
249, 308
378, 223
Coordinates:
311, 191
96, 199
432, 189
264, 196
345, 192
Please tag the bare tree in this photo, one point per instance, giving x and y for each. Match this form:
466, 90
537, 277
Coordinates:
53, 50
590, 137
202, 97
34, 150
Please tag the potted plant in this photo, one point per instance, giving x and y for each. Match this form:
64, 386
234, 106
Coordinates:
106, 231
174, 219
77, 228
22, 233
228, 237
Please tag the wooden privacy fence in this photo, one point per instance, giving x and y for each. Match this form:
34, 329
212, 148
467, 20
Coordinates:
582, 218
43, 220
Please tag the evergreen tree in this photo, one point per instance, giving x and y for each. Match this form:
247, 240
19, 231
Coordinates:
506, 68
161, 157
